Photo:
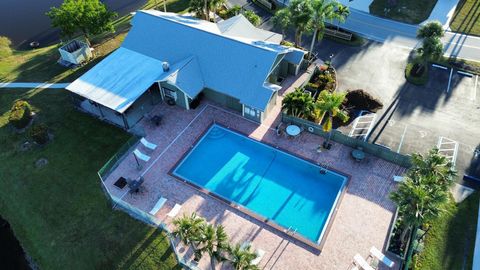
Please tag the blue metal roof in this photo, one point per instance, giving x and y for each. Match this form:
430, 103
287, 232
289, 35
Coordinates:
237, 67
199, 53
119, 79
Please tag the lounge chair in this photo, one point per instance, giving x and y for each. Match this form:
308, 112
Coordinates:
175, 210
362, 263
260, 253
158, 206
378, 255
140, 156
148, 144
398, 178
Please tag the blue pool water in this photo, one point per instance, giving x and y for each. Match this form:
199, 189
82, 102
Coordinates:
273, 184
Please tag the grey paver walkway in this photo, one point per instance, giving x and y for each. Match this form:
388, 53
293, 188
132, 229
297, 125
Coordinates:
33, 85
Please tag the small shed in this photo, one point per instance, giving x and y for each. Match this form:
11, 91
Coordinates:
75, 52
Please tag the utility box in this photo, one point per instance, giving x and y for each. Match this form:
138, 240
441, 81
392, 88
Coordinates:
75, 52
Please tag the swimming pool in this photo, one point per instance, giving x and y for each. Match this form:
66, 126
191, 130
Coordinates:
278, 187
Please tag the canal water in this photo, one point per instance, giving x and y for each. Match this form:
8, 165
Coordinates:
11, 253
24, 21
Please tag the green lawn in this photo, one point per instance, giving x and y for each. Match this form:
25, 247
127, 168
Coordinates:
59, 212
466, 18
408, 11
450, 242
40, 65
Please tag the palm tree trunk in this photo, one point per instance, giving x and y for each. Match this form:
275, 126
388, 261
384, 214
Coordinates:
207, 11
298, 37
313, 41
408, 259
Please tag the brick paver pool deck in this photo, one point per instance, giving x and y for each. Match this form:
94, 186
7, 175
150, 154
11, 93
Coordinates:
363, 216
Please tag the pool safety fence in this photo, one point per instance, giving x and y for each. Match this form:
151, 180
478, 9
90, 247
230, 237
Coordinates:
113, 162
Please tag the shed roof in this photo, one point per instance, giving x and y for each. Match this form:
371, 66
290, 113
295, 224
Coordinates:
119, 79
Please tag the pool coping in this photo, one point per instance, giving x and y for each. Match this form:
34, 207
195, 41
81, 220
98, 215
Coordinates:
317, 247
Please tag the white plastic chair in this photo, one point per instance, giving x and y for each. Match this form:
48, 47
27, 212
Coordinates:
140, 156
362, 263
148, 144
375, 253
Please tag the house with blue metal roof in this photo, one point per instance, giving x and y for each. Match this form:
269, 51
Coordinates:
180, 59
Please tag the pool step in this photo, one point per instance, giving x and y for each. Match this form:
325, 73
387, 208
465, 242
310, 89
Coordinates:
216, 133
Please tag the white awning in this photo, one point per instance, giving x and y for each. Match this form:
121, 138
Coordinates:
118, 80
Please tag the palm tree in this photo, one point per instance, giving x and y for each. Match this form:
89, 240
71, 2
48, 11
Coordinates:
298, 103
213, 5
322, 10
198, 7
300, 11
242, 257
342, 13
421, 197
327, 107
433, 166
432, 29
432, 49
214, 242
432, 46
282, 20
189, 229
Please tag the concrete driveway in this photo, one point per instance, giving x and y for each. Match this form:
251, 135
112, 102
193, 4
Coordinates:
444, 113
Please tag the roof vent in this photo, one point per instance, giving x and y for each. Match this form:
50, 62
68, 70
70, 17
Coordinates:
165, 66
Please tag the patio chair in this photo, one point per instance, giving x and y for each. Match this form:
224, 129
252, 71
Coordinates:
398, 178
160, 203
361, 262
380, 257
135, 185
148, 144
174, 212
154, 119
140, 156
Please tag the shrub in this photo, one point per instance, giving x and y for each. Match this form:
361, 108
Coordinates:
234, 11
287, 43
39, 133
416, 73
5, 49
252, 17
20, 114
361, 100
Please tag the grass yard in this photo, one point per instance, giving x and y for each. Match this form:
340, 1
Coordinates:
408, 11
450, 242
59, 212
40, 65
466, 18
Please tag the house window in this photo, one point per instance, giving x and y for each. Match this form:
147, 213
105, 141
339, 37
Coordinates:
170, 93
251, 112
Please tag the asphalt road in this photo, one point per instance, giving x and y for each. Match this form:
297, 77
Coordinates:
396, 33
402, 34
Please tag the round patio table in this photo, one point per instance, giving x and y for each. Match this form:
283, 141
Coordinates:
293, 130
358, 154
